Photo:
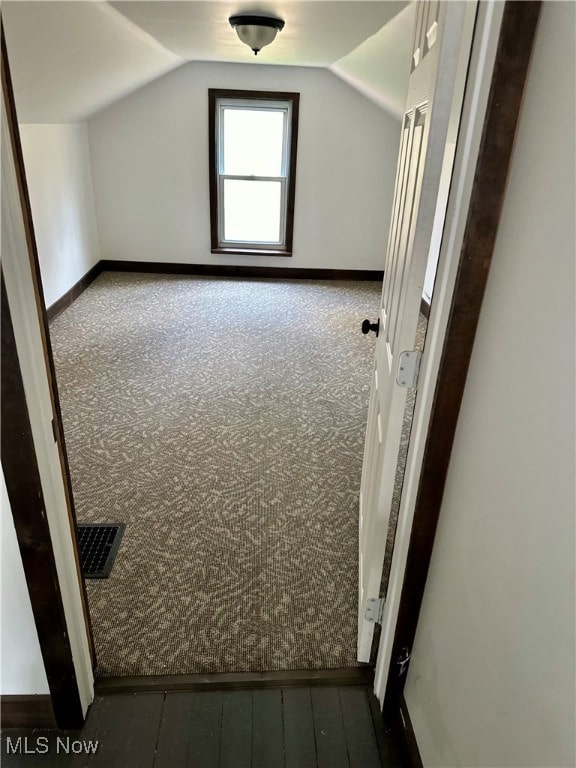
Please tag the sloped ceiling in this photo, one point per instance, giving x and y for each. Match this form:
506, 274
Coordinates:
379, 67
71, 59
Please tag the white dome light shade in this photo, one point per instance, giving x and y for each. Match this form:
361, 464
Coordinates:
255, 31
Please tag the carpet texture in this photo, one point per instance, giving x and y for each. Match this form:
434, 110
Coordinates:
223, 421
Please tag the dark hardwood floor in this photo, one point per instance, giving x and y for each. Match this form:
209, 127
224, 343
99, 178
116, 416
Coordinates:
317, 727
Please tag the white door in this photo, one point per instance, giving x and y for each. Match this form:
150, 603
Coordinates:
422, 182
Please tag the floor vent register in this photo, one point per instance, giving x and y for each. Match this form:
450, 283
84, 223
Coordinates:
98, 546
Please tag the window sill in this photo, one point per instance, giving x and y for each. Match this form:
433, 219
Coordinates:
250, 252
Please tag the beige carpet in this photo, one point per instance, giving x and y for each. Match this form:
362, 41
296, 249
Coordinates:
223, 421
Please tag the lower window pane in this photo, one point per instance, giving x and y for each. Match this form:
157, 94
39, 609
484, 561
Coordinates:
252, 211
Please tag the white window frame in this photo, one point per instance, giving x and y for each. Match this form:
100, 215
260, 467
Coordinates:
269, 106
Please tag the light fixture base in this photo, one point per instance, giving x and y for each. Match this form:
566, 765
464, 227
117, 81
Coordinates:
254, 30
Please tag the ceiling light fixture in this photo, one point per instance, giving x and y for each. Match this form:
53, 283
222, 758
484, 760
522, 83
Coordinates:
255, 31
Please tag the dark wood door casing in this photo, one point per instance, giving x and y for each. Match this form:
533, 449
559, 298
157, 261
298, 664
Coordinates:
21, 468
27, 504
517, 32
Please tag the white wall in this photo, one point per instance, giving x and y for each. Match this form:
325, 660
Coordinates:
21, 665
59, 175
492, 676
150, 163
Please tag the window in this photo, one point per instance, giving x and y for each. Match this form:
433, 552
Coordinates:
253, 138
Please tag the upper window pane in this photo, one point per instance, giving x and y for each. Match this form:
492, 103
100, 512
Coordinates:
253, 142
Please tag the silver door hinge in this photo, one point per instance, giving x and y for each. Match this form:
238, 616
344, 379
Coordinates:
409, 369
374, 610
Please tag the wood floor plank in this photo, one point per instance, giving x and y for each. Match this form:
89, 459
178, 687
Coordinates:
389, 754
205, 730
11, 747
64, 748
128, 731
318, 727
236, 737
300, 747
363, 749
331, 749
53, 748
38, 748
173, 735
267, 729
97, 713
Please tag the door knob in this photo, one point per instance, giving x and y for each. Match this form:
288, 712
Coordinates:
367, 326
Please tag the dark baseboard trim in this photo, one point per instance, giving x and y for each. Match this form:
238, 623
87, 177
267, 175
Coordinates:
235, 680
405, 736
425, 308
225, 270
210, 270
27, 712
72, 294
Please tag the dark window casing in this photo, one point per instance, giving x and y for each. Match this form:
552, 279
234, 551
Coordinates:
214, 95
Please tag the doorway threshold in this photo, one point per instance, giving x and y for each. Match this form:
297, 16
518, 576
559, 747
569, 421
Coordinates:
361, 675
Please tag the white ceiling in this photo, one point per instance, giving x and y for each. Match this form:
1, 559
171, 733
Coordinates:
316, 33
71, 58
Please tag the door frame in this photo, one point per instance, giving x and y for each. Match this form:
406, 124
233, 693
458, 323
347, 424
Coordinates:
444, 103
453, 319
34, 458
501, 53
